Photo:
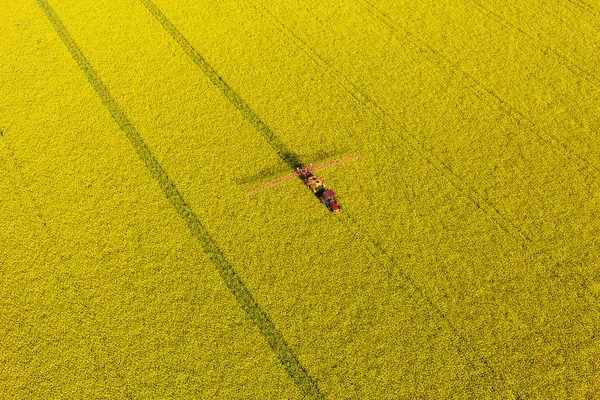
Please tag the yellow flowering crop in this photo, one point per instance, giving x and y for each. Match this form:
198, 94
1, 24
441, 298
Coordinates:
136, 262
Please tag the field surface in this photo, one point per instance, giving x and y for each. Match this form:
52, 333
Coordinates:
464, 264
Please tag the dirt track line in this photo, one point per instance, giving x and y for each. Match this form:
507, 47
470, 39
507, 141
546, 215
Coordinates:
576, 69
380, 254
262, 321
288, 156
409, 139
14, 166
560, 18
585, 6
511, 111
12, 162
508, 109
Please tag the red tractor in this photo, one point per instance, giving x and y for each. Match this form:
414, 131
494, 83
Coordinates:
315, 183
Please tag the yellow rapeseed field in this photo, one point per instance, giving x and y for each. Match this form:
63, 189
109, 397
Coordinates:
464, 264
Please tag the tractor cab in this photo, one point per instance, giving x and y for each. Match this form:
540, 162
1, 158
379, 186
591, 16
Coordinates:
329, 194
328, 199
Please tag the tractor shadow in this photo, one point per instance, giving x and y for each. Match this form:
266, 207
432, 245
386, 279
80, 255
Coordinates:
274, 172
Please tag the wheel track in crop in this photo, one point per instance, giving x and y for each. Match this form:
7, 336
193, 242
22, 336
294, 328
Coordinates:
507, 108
55, 236
233, 282
372, 246
571, 65
390, 264
576, 69
585, 6
18, 169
